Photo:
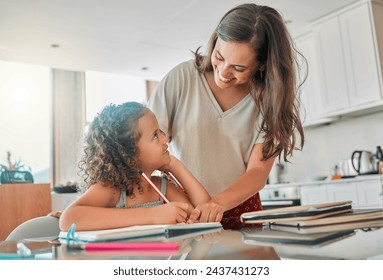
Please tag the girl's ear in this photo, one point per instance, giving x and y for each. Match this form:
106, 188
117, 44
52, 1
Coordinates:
262, 67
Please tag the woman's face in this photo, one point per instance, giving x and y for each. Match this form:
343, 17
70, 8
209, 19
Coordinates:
234, 64
152, 146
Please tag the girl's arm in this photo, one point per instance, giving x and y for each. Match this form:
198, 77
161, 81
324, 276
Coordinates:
96, 209
196, 193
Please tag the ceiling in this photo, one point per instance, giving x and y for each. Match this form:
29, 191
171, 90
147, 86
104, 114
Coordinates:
143, 38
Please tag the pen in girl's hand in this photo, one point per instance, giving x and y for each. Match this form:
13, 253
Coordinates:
153, 186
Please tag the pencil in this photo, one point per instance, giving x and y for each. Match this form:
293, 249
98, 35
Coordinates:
154, 186
179, 186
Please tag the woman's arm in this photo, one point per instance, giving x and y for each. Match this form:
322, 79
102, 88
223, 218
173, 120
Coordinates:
196, 193
95, 210
251, 182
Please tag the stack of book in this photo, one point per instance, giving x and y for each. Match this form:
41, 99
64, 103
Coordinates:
312, 224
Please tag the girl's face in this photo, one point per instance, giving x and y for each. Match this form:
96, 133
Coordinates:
152, 146
234, 63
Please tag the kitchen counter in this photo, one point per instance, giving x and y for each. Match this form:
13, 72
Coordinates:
360, 178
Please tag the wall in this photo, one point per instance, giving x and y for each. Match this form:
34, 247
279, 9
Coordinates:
326, 145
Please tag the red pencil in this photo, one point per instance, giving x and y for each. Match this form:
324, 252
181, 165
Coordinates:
154, 187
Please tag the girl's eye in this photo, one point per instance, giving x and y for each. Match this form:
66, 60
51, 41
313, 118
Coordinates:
155, 136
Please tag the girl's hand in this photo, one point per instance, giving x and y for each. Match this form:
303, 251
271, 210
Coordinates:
208, 212
56, 214
172, 213
172, 164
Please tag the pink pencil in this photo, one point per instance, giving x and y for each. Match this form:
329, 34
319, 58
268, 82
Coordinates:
131, 246
154, 187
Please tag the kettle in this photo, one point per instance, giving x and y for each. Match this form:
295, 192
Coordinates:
347, 169
365, 162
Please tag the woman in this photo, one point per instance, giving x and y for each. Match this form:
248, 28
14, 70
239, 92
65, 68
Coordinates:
230, 113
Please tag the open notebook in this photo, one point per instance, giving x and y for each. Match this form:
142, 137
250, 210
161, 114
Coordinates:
139, 232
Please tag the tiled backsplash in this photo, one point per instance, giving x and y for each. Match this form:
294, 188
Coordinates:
326, 145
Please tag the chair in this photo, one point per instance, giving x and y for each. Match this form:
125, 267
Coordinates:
41, 228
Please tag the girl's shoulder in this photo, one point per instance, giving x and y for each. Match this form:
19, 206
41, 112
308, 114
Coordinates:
163, 179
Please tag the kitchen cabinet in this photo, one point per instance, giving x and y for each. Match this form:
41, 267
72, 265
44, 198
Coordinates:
343, 192
347, 46
313, 194
22, 202
312, 109
364, 193
370, 194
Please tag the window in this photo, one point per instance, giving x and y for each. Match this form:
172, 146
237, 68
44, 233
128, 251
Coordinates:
105, 88
25, 116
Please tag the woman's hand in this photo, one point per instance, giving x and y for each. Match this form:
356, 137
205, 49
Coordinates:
207, 212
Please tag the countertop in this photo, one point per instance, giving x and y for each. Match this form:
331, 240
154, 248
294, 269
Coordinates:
360, 178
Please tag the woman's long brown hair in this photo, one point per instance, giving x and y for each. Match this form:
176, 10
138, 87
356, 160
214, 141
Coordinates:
275, 89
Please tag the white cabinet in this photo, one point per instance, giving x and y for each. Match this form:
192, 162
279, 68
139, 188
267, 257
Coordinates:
370, 194
364, 193
343, 192
356, 27
334, 82
348, 53
312, 109
312, 194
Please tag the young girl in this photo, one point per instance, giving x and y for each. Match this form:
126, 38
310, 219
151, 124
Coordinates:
123, 142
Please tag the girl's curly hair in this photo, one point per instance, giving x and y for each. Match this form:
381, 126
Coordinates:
110, 147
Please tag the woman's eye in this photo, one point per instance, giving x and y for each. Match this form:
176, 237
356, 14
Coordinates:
218, 58
155, 136
238, 69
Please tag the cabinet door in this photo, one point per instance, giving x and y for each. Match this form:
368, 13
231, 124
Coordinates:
343, 192
360, 56
370, 194
310, 93
313, 194
332, 67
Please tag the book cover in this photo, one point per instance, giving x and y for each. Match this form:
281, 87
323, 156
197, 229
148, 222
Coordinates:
356, 219
140, 232
365, 225
303, 212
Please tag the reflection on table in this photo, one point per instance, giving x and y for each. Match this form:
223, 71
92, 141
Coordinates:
243, 244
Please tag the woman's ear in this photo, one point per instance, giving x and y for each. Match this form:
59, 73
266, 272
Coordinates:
262, 67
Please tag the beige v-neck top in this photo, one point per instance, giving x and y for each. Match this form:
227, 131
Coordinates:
213, 144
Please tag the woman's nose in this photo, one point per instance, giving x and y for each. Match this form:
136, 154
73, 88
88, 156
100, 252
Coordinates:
224, 70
